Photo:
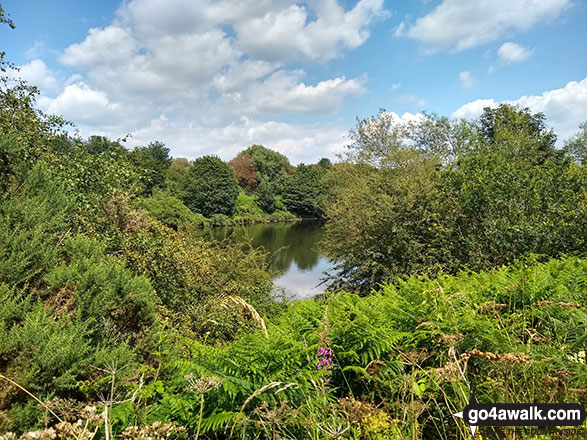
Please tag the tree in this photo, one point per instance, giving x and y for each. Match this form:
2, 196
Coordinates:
325, 163
303, 191
384, 222
520, 132
515, 192
245, 171
400, 205
5, 18
210, 187
576, 146
176, 175
271, 166
266, 198
152, 162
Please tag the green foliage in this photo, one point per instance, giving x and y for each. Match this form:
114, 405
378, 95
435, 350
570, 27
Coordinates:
171, 211
266, 198
219, 220
519, 131
189, 273
210, 187
152, 163
325, 163
97, 175
303, 191
176, 175
26, 132
5, 18
35, 218
418, 341
440, 196
106, 294
247, 206
576, 146
270, 165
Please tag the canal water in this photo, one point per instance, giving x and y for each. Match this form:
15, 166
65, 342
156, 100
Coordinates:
293, 253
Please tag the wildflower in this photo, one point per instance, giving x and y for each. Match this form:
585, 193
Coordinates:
324, 358
324, 351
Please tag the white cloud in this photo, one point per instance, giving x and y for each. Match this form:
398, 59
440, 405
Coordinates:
564, 108
466, 79
183, 71
38, 74
271, 30
282, 93
513, 53
106, 46
80, 103
462, 24
473, 109
288, 35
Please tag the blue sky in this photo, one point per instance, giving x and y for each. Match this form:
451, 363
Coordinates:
213, 76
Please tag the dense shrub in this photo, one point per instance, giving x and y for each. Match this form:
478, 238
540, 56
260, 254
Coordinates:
171, 211
247, 205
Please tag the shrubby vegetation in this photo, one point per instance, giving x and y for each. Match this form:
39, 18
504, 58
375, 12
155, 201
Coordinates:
461, 264
442, 195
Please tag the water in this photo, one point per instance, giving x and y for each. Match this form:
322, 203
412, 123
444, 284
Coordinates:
292, 251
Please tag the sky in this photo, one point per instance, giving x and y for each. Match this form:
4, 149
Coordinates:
215, 76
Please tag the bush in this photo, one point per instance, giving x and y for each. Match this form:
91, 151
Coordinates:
247, 205
220, 220
171, 211
105, 294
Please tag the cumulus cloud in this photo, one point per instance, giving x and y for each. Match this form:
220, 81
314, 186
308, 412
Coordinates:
108, 46
564, 108
211, 70
80, 103
513, 53
282, 93
202, 67
286, 35
271, 30
466, 79
37, 73
458, 25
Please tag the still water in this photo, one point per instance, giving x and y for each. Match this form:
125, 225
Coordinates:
292, 251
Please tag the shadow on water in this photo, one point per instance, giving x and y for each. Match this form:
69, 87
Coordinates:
292, 249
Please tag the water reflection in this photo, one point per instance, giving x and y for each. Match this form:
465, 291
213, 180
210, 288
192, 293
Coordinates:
292, 251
